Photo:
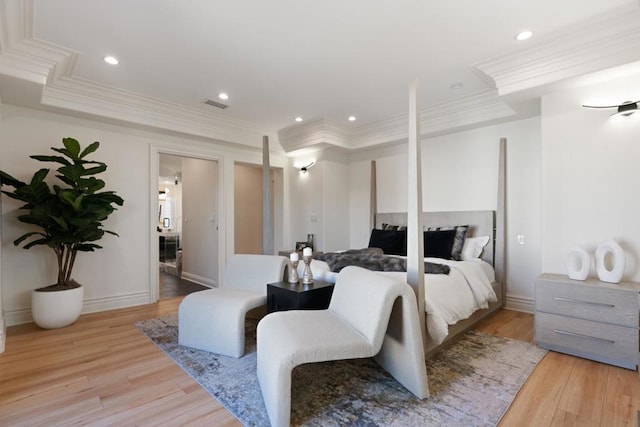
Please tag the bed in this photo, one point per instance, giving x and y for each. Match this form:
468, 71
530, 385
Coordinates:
474, 287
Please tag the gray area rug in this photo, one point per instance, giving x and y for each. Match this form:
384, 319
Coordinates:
472, 383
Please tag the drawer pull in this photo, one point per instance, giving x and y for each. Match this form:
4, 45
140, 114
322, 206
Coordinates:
577, 301
573, 334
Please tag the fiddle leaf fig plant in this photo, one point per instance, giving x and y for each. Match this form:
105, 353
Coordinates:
69, 216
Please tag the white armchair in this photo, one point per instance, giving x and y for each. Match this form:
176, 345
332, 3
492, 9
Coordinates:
354, 326
213, 320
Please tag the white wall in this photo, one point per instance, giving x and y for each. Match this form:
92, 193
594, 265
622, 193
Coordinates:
590, 173
306, 202
320, 200
120, 274
460, 172
200, 186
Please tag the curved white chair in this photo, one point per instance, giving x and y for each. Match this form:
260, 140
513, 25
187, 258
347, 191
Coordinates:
213, 320
354, 326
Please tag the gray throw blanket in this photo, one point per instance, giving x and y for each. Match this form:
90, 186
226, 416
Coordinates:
373, 259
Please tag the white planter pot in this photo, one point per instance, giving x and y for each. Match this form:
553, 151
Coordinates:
51, 310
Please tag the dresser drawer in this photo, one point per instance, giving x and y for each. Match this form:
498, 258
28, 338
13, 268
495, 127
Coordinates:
616, 345
615, 306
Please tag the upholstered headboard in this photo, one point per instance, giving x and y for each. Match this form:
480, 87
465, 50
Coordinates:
482, 223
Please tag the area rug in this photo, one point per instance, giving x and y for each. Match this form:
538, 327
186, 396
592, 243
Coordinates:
472, 383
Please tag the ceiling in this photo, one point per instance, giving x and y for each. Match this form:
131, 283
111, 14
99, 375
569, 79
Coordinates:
280, 59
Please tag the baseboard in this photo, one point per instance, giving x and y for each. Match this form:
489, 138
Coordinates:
199, 279
526, 305
92, 305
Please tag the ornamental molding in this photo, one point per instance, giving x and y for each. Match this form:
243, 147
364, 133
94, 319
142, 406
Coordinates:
606, 41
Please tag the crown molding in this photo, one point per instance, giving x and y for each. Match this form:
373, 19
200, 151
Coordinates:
481, 107
87, 97
607, 41
321, 132
24, 57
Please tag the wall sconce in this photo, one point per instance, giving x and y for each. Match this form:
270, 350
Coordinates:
627, 108
304, 169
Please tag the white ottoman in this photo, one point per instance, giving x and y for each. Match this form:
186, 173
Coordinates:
213, 320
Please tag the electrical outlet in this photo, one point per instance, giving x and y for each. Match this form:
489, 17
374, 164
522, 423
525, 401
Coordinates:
314, 217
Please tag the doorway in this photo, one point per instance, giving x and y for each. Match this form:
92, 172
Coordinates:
187, 224
248, 206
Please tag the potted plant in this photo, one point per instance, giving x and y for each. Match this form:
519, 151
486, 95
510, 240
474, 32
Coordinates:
69, 220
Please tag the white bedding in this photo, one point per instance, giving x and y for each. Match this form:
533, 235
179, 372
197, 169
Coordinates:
449, 298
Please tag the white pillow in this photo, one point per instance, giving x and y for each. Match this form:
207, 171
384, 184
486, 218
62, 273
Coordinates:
473, 246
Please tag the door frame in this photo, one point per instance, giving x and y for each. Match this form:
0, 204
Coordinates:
154, 172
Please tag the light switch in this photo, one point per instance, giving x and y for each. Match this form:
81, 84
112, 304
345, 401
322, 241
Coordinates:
314, 217
520, 239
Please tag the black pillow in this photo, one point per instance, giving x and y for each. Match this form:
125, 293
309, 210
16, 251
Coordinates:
392, 242
458, 240
438, 243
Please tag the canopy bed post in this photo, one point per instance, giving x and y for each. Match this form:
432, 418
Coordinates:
500, 261
267, 220
373, 208
415, 237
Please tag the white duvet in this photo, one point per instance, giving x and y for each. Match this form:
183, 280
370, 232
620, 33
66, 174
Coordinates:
449, 298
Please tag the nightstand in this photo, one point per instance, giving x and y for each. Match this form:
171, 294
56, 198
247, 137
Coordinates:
286, 296
590, 319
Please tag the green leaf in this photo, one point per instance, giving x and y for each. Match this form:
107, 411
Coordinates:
39, 176
72, 172
88, 247
90, 149
73, 147
61, 222
36, 242
24, 236
6, 179
55, 159
96, 169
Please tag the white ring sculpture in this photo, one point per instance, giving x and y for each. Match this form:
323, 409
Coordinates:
578, 263
618, 260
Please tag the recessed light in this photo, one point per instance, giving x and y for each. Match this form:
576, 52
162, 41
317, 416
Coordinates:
457, 85
112, 60
524, 35
223, 95
352, 118
298, 119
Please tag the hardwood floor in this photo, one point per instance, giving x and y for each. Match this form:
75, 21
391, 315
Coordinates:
103, 371
173, 286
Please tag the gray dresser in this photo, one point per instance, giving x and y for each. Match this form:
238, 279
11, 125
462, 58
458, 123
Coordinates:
590, 319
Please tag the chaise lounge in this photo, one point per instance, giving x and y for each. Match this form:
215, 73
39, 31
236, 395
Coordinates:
357, 324
213, 320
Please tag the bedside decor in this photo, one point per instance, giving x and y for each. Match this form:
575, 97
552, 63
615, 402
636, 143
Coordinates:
293, 267
612, 249
578, 263
307, 277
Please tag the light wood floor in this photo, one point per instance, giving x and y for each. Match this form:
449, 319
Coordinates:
102, 371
